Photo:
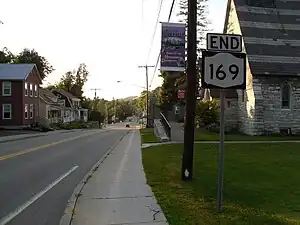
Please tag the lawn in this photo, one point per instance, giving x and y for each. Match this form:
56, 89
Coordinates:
148, 136
204, 135
261, 184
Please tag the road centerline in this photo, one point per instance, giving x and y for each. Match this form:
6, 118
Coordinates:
21, 208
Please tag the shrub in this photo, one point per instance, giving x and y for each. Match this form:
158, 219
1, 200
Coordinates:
207, 112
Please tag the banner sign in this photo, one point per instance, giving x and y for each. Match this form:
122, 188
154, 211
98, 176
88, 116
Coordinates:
173, 47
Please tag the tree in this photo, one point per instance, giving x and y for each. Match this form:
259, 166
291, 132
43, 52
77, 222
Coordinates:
202, 19
81, 78
31, 56
66, 82
6, 56
73, 81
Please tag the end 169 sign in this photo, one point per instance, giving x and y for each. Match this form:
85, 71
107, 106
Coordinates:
225, 70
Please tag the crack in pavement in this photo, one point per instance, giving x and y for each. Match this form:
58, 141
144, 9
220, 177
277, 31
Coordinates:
156, 211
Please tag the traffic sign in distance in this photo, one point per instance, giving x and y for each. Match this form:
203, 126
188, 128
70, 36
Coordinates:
223, 70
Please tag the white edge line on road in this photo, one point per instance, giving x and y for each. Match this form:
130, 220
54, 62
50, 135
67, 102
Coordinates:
21, 208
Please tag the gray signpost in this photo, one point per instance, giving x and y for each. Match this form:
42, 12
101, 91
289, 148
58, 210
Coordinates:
223, 67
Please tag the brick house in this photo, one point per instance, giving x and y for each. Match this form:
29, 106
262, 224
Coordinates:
271, 39
19, 92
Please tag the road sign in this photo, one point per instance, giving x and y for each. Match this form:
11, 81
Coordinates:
223, 70
180, 94
223, 67
224, 42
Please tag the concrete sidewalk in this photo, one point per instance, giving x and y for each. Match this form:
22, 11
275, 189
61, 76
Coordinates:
116, 192
177, 133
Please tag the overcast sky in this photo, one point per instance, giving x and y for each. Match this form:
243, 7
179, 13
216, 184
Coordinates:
112, 37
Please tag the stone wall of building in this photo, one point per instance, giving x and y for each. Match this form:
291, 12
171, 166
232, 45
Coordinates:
250, 111
276, 118
231, 114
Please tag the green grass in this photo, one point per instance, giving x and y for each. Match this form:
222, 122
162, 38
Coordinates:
148, 136
204, 135
261, 184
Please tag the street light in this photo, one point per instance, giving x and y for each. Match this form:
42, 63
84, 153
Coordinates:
120, 81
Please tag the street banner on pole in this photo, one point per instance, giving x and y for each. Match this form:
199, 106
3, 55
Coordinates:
173, 47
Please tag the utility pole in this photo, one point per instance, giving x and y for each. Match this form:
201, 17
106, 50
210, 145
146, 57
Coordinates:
147, 94
189, 125
115, 109
95, 89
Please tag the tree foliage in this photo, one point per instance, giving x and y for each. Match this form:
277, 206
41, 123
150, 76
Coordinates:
31, 56
73, 81
28, 56
207, 112
202, 19
6, 56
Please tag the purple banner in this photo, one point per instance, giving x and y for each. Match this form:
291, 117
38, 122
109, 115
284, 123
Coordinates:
173, 47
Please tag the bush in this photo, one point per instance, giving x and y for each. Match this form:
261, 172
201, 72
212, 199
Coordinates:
207, 112
74, 125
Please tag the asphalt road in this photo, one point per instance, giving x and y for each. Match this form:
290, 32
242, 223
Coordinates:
38, 175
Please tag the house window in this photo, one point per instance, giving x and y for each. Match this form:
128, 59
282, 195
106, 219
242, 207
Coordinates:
6, 88
26, 89
35, 90
286, 96
31, 111
31, 90
6, 111
26, 111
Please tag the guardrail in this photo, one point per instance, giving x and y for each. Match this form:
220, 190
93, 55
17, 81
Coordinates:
166, 125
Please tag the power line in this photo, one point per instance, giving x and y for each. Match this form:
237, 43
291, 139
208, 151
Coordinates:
157, 61
155, 28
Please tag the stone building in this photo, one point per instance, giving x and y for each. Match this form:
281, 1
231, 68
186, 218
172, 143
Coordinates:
271, 39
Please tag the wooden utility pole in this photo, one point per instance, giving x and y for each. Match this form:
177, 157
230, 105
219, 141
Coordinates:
95, 89
189, 125
147, 94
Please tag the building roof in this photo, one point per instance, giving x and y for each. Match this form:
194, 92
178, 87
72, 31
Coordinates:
48, 97
65, 93
17, 71
271, 33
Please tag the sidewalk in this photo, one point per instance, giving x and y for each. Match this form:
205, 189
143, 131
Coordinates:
177, 133
117, 192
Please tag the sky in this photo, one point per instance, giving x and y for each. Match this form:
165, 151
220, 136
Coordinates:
112, 38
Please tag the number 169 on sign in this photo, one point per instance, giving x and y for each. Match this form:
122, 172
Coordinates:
223, 70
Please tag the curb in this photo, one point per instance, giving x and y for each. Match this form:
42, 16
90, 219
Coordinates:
43, 134
22, 138
69, 213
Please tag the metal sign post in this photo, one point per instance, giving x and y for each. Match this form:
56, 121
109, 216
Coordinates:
221, 150
223, 67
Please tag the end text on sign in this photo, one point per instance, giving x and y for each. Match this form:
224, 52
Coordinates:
224, 42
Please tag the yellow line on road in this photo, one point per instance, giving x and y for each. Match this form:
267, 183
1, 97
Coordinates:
43, 146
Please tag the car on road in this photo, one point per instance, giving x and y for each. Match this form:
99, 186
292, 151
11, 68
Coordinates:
127, 125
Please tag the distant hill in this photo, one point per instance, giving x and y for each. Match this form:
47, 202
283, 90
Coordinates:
129, 98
